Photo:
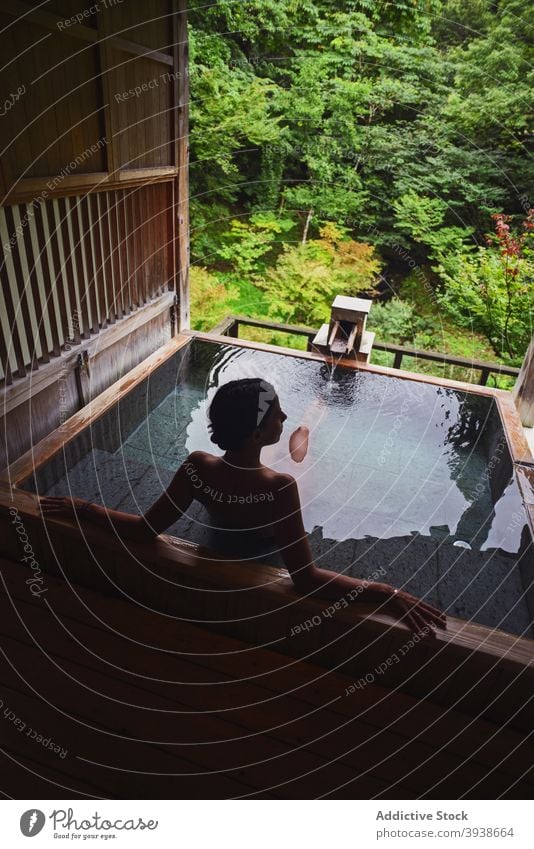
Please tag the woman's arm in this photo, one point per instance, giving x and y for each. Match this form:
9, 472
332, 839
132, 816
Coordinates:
311, 580
163, 513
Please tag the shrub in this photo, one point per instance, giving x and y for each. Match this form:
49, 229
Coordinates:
211, 299
307, 277
491, 290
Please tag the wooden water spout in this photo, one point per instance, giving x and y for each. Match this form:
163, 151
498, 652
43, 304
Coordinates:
346, 335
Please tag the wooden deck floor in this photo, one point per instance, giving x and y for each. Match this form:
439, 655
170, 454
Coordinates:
140, 705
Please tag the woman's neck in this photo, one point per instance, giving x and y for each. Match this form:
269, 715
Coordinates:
244, 458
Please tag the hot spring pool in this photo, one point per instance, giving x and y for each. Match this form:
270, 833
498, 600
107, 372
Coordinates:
401, 476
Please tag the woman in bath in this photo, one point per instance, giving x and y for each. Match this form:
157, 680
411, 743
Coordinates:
255, 505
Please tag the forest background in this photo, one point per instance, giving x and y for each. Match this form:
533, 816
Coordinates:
366, 148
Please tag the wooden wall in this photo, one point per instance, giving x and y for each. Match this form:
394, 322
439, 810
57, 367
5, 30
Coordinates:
32, 408
75, 265
311, 733
97, 99
94, 196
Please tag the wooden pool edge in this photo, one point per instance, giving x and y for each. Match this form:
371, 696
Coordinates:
469, 667
464, 636
17, 472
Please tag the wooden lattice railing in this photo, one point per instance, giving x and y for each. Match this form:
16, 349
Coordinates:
72, 266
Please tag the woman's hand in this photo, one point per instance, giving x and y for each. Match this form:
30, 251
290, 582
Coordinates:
124, 525
420, 616
61, 507
298, 443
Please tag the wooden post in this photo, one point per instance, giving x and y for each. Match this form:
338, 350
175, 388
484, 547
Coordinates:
484, 374
523, 391
106, 91
182, 155
397, 362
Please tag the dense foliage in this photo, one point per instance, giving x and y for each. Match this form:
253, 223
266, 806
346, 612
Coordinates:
337, 145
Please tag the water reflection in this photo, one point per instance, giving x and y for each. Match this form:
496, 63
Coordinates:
387, 457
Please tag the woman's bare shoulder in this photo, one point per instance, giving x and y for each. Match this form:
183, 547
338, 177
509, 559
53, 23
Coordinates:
201, 458
280, 480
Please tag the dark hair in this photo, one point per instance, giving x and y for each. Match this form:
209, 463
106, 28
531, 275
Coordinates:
238, 408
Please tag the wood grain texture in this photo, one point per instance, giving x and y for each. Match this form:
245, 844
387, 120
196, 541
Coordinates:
211, 716
79, 264
132, 373
182, 154
71, 79
482, 672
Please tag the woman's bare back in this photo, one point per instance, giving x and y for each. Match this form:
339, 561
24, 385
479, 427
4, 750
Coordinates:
245, 498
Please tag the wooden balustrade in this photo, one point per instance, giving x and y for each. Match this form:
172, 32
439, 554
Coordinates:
229, 326
72, 266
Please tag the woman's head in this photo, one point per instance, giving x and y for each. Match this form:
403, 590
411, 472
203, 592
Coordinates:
244, 409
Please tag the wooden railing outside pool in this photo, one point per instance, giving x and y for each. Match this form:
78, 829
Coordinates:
229, 326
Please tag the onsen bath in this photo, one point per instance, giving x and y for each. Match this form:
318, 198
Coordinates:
405, 481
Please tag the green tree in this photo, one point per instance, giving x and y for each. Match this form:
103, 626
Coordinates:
422, 218
491, 290
307, 277
245, 244
405, 123
395, 321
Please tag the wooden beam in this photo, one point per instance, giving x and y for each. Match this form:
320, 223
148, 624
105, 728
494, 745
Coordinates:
48, 20
139, 174
524, 389
53, 23
20, 391
110, 122
296, 329
227, 327
181, 60
175, 88
399, 351
3, 183
37, 187
140, 50
446, 359
513, 429
402, 374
